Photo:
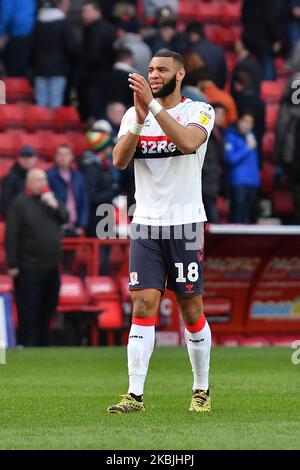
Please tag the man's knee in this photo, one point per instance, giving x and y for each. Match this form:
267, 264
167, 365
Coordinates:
145, 305
191, 309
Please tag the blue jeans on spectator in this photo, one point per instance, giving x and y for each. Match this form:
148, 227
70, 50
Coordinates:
50, 91
267, 61
242, 199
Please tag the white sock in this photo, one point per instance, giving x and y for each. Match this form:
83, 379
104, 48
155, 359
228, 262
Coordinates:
198, 346
139, 350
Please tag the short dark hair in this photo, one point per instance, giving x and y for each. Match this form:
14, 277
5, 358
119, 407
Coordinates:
63, 146
174, 55
195, 27
123, 54
96, 4
198, 75
246, 112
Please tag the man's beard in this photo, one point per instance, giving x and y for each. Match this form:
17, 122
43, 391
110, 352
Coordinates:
167, 89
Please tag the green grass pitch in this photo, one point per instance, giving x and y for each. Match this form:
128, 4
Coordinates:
57, 399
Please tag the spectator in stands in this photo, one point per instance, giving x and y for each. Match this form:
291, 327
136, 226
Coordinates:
246, 62
69, 188
33, 249
190, 87
160, 8
14, 181
265, 24
212, 54
95, 165
167, 38
129, 38
17, 18
248, 98
294, 22
212, 171
54, 49
241, 156
95, 61
192, 61
118, 89
287, 154
203, 78
114, 113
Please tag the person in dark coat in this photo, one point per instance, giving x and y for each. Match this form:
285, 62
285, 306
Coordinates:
212, 54
70, 189
96, 167
265, 30
54, 49
118, 89
247, 98
33, 249
96, 59
14, 181
167, 37
246, 62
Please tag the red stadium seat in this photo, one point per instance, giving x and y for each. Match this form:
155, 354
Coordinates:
33, 140
8, 145
67, 117
283, 203
272, 113
38, 117
272, 91
72, 293
103, 292
268, 143
6, 284
18, 90
100, 287
231, 59
79, 142
5, 166
53, 141
12, 116
268, 177
231, 12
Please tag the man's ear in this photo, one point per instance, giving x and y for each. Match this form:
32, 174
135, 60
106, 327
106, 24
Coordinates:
180, 74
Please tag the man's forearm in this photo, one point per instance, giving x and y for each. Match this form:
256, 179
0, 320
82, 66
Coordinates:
181, 136
124, 150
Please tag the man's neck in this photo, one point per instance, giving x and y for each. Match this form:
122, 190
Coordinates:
170, 101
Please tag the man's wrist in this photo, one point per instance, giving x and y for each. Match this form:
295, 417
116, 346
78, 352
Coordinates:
136, 128
155, 107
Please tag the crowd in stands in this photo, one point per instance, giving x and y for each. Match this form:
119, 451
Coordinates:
65, 65
241, 56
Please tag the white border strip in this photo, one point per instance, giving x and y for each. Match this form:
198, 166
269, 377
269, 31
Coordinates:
236, 229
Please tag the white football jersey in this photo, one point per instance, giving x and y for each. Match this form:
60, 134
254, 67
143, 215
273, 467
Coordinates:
168, 183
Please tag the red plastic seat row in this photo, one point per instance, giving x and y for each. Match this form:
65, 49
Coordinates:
45, 143
33, 117
272, 91
222, 35
96, 294
215, 11
18, 90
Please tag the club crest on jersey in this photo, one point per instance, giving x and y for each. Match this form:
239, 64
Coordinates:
133, 279
204, 118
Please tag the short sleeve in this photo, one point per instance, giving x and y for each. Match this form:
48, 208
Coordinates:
202, 115
126, 122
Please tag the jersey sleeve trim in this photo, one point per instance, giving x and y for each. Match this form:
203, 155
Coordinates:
198, 125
